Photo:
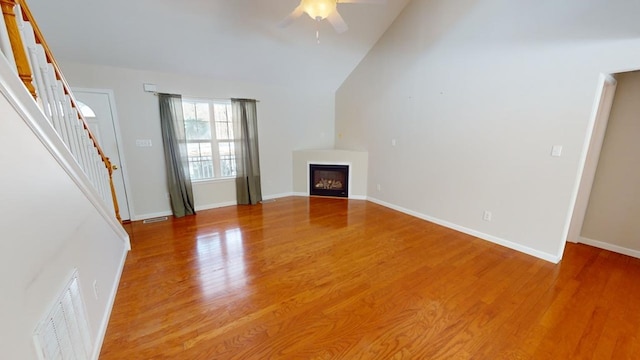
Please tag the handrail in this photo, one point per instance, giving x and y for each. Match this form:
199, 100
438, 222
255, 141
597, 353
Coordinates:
24, 70
25, 73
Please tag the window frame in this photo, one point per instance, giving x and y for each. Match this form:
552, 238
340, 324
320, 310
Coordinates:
213, 139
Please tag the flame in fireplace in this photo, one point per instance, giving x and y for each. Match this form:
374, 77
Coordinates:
328, 184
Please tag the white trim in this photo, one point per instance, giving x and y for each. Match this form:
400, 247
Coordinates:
119, 143
151, 215
25, 106
300, 194
496, 240
593, 141
277, 196
609, 247
102, 330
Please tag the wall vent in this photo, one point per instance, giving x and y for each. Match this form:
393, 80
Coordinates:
64, 333
155, 220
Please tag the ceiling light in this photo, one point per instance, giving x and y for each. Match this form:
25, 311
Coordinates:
323, 9
319, 9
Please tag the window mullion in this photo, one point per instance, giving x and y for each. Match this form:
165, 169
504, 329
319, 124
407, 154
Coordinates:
215, 148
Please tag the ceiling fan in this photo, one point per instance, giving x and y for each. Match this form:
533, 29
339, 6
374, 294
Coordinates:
325, 9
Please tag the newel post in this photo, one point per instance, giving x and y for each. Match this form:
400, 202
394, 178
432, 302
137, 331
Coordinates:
110, 168
19, 54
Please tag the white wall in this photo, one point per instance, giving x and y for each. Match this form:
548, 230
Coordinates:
476, 93
288, 119
49, 228
614, 205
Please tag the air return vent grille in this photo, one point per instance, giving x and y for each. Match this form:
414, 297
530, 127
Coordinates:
64, 333
155, 220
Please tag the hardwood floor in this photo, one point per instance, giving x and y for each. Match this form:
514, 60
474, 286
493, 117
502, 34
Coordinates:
318, 278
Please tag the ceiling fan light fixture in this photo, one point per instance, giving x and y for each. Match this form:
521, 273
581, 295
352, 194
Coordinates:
319, 9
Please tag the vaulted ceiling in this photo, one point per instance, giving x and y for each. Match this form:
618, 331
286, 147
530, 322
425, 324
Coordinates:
237, 40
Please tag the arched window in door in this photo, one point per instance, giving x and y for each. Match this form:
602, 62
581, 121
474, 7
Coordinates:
85, 110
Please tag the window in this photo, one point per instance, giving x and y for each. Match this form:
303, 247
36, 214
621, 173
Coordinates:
210, 143
85, 110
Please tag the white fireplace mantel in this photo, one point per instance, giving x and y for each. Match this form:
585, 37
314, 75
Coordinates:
358, 162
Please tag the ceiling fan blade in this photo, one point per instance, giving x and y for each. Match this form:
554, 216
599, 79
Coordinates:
296, 13
362, 1
337, 22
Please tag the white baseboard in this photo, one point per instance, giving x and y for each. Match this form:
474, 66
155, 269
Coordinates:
610, 247
277, 196
150, 215
496, 240
299, 194
102, 330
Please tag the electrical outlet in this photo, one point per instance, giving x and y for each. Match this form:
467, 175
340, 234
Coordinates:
95, 289
486, 216
379, 187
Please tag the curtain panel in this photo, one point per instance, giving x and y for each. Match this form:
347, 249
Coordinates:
175, 153
248, 188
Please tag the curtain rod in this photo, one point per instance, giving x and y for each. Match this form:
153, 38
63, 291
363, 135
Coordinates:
155, 93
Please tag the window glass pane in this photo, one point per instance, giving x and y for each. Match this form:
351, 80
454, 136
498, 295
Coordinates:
227, 158
222, 111
224, 128
196, 120
196, 149
188, 109
202, 111
200, 160
225, 148
85, 110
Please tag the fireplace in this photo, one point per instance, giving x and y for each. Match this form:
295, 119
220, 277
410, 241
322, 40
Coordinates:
329, 180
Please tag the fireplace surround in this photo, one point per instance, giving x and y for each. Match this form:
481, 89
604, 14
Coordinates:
329, 180
356, 160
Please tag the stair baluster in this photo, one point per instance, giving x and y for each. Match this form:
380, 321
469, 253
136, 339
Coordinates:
41, 75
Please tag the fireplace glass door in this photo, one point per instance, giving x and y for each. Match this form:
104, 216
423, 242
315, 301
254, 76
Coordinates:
329, 180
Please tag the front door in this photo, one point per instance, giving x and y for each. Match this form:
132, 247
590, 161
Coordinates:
104, 126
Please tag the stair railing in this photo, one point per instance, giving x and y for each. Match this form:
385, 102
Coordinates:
41, 75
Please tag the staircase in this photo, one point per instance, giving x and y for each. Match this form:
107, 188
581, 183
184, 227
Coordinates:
24, 45
58, 211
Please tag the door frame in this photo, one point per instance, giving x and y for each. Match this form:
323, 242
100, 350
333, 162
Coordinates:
591, 154
119, 142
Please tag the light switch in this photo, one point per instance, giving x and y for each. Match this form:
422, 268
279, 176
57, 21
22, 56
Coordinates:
556, 151
143, 143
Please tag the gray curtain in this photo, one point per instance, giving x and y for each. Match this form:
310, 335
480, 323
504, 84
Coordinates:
248, 190
175, 154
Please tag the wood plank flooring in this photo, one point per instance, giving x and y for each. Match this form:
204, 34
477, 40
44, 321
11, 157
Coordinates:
319, 278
